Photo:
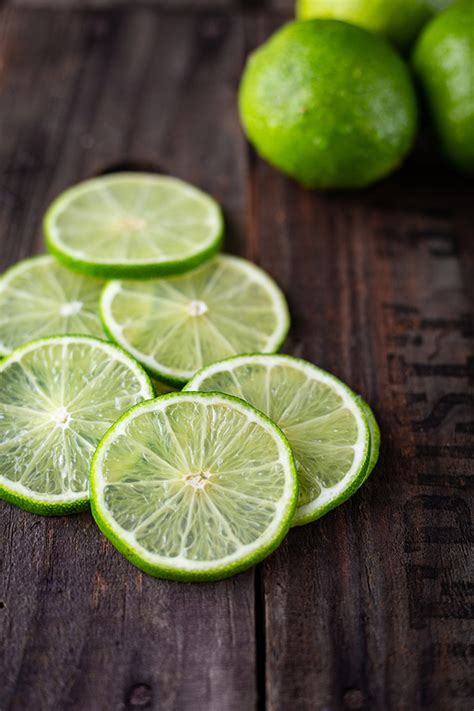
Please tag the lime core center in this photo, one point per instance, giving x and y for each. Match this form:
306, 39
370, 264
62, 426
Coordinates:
198, 481
70, 308
197, 308
61, 417
133, 224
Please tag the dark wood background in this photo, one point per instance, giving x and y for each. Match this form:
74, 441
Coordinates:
367, 609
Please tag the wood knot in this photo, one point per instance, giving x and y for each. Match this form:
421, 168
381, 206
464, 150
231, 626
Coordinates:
354, 699
139, 696
212, 30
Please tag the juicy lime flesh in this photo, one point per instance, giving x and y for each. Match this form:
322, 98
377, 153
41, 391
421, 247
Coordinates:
175, 326
56, 402
195, 480
134, 219
39, 297
318, 422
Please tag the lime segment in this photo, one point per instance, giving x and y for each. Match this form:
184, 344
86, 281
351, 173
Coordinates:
39, 297
194, 486
175, 326
321, 417
133, 225
58, 396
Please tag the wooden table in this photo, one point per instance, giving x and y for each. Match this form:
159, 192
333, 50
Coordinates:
367, 609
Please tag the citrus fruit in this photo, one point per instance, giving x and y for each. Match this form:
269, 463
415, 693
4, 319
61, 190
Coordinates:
397, 20
39, 297
58, 396
329, 104
174, 326
133, 225
194, 486
320, 416
444, 63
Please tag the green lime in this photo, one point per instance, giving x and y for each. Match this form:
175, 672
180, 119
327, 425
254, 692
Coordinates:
58, 396
397, 20
133, 225
39, 297
320, 416
444, 63
329, 104
175, 326
194, 486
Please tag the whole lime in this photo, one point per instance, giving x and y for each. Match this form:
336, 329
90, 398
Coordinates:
397, 20
444, 62
329, 104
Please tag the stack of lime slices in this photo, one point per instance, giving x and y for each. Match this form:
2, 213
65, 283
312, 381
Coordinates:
195, 485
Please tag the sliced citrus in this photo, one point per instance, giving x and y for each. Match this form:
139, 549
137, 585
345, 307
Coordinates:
194, 486
175, 326
321, 417
39, 297
133, 225
58, 396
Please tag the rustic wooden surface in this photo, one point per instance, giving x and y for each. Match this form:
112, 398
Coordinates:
367, 609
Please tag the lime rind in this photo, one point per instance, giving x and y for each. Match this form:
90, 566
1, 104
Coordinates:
331, 497
354, 479
42, 504
175, 377
145, 268
72, 502
375, 436
80, 286
179, 568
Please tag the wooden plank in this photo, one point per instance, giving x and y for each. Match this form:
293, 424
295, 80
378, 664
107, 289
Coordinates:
80, 628
367, 609
175, 5
371, 607
283, 7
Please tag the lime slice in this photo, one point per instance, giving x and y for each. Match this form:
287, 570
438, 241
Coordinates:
194, 486
133, 225
175, 326
58, 396
39, 297
374, 436
321, 417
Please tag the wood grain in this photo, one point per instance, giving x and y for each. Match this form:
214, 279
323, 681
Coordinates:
178, 5
371, 607
282, 7
377, 613
80, 628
